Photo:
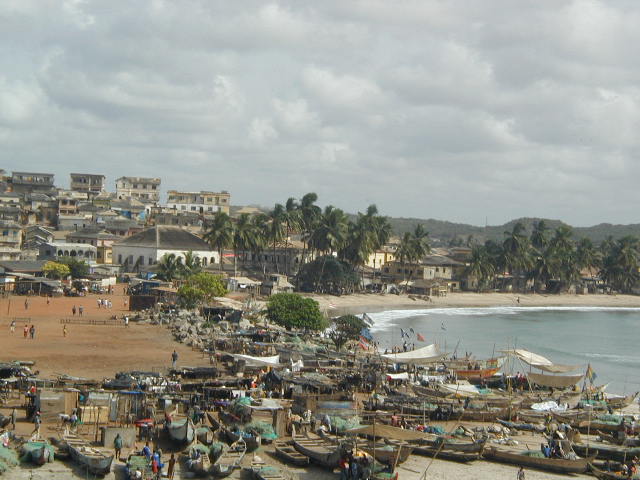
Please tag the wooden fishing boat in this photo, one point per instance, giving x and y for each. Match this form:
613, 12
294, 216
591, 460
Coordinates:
558, 465
229, 460
318, 450
38, 453
479, 374
138, 463
607, 452
263, 471
286, 452
453, 444
88, 457
622, 402
199, 464
389, 454
605, 475
213, 421
204, 435
252, 440
181, 431
487, 415
527, 427
595, 425
445, 454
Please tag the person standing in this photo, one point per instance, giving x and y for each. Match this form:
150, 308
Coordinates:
26, 304
80, 310
64, 331
73, 310
172, 466
99, 303
25, 331
12, 326
521, 475
37, 421
14, 418
117, 445
126, 321
32, 332
174, 359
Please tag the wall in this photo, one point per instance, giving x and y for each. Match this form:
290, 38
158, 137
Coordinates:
108, 435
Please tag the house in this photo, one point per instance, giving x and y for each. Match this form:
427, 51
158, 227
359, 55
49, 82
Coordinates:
73, 222
41, 208
10, 253
146, 248
199, 202
131, 208
10, 234
431, 267
381, 257
88, 183
138, 188
101, 239
276, 283
69, 201
79, 251
27, 182
36, 235
31, 267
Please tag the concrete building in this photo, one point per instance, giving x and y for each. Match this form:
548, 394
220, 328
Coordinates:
10, 234
141, 188
69, 202
79, 251
102, 240
87, 183
27, 182
432, 267
199, 202
146, 248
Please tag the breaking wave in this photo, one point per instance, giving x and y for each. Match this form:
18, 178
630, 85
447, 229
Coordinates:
387, 319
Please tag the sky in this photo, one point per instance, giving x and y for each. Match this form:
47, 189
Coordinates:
468, 111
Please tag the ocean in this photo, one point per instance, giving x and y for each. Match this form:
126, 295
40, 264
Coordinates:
606, 338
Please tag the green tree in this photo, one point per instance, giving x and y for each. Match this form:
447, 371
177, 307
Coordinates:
56, 270
327, 274
219, 233
169, 267
539, 235
78, 268
516, 251
190, 264
244, 237
481, 266
276, 229
309, 214
292, 310
346, 328
189, 297
201, 288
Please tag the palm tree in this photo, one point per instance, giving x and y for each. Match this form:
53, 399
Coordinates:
413, 247
330, 233
276, 229
516, 251
480, 265
539, 235
293, 222
219, 233
260, 226
309, 214
169, 267
564, 254
244, 237
191, 264
587, 256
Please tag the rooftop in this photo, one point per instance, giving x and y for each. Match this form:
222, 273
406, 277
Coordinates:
166, 238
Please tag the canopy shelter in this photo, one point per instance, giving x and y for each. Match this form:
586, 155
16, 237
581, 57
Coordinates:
540, 362
554, 381
273, 361
420, 356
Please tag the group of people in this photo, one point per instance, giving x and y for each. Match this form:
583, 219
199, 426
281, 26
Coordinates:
104, 303
27, 331
154, 459
358, 466
80, 310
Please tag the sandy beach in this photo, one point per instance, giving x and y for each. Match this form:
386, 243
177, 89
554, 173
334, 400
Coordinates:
370, 302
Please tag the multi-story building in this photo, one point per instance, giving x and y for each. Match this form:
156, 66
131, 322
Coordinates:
27, 182
138, 187
69, 201
199, 202
88, 183
101, 239
10, 234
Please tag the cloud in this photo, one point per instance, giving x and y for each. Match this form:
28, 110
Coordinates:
457, 110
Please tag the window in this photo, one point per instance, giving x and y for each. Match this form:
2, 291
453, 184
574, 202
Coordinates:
120, 258
150, 260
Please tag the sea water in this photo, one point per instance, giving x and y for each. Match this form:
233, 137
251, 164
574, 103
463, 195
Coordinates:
606, 338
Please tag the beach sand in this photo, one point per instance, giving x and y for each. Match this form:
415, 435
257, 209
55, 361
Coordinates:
371, 302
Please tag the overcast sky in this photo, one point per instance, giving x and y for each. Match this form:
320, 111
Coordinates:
456, 110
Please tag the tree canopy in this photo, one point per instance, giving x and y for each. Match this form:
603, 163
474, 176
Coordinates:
77, 268
345, 329
56, 270
292, 310
200, 288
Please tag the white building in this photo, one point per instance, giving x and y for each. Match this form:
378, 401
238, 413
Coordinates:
198, 202
141, 188
149, 246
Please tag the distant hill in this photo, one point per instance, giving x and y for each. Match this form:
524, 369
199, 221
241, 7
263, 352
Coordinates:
443, 232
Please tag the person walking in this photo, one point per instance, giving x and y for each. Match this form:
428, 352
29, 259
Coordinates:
25, 331
174, 359
172, 466
26, 304
117, 445
521, 475
99, 303
37, 421
12, 326
32, 332
14, 418
64, 331
80, 310
73, 310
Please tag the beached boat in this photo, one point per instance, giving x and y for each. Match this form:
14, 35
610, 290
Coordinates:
88, 457
263, 471
488, 414
38, 453
286, 452
527, 427
138, 463
601, 425
445, 454
252, 440
477, 375
182, 430
605, 475
618, 403
213, 421
389, 454
318, 450
229, 460
454, 444
199, 462
534, 459
607, 452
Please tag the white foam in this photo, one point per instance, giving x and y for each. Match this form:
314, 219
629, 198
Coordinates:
385, 320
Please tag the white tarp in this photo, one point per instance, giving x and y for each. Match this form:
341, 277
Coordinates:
549, 406
297, 366
463, 389
398, 376
555, 381
540, 362
429, 354
258, 361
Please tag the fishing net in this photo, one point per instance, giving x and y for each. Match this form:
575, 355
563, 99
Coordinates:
343, 424
216, 449
269, 470
263, 428
608, 418
533, 453
201, 448
433, 429
8, 459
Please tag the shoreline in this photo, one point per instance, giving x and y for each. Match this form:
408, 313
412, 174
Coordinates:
360, 303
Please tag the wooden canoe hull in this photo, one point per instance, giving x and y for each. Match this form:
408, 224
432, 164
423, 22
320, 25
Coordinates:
229, 460
81, 452
558, 465
445, 454
182, 431
320, 452
399, 454
290, 455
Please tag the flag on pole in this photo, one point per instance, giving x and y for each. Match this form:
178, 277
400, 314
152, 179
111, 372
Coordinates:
402, 334
363, 343
366, 334
411, 330
367, 319
591, 375
420, 338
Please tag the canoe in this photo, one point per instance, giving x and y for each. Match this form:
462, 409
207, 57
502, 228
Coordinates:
201, 465
604, 475
229, 460
215, 424
38, 453
263, 471
181, 431
466, 374
286, 452
595, 425
526, 427
454, 444
445, 454
318, 450
487, 415
558, 465
251, 440
608, 452
388, 454
204, 435
622, 402
88, 457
